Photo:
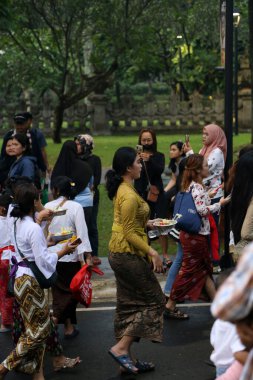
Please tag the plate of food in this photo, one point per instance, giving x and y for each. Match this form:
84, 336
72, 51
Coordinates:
164, 222
63, 235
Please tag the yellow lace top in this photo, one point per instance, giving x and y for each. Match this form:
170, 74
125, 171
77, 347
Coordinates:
131, 213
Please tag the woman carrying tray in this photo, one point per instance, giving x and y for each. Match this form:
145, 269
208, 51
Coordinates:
140, 301
64, 304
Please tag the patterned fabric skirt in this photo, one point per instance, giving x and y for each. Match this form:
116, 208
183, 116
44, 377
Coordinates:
27, 357
53, 345
6, 302
140, 300
196, 266
64, 304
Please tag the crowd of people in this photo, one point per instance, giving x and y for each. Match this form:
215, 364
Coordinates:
140, 199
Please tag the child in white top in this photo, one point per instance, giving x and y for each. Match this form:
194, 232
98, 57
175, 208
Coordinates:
225, 340
226, 344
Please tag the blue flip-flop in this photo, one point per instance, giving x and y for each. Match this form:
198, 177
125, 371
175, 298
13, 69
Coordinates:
124, 361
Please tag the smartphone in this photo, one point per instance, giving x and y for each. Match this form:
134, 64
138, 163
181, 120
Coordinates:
187, 139
217, 188
76, 242
139, 148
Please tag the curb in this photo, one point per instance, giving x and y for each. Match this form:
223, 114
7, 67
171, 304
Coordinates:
105, 288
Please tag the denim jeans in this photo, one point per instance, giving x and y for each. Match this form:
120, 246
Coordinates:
174, 269
220, 370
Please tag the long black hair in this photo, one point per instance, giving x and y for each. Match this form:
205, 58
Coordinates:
123, 158
24, 198
242, 193
172, 164
64, 186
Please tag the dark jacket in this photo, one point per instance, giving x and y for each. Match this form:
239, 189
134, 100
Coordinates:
24, 166
36, 136
155, 167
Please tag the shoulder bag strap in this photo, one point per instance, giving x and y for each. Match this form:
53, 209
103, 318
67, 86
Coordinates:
15, 232
146, 172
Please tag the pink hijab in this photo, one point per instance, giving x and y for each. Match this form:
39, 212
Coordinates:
217, 139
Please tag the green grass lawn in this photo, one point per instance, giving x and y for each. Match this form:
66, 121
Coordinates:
105, 146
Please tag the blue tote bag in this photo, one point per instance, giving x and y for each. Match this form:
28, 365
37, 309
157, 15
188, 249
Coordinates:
190, 220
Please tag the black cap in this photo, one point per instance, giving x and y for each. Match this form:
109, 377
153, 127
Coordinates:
22, 117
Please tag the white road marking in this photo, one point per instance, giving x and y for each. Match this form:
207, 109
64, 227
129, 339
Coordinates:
107, 308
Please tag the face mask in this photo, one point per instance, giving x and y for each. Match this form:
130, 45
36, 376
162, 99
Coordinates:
149, 147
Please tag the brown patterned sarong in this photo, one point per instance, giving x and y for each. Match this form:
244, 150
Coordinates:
27, 357
140, 300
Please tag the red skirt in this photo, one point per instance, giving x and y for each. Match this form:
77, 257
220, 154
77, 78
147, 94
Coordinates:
196, 266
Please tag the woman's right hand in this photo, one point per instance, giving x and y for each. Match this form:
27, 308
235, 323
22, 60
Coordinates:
156, 260
67, 249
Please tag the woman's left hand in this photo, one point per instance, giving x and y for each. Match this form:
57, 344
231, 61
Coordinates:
156, 260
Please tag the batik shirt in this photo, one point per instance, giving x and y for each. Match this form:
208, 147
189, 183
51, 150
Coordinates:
216, 165
203, 206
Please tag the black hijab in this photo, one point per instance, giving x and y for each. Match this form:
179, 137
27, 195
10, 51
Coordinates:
70, 165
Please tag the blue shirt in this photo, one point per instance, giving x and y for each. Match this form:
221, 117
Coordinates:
85, 197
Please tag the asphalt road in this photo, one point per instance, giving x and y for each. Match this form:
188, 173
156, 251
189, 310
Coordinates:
181, 356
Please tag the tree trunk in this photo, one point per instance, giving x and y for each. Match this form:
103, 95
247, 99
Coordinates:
250, 9
58, 119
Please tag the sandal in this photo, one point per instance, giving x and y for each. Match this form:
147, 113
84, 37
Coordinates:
167, 263
125, 361
142, 367
174, 314
5, 329
67, 364
74, 333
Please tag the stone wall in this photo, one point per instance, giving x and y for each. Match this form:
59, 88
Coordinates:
100, 116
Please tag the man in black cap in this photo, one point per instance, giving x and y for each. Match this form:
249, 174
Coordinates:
22, 124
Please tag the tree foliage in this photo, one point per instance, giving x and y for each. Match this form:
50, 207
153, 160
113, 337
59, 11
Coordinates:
78, 47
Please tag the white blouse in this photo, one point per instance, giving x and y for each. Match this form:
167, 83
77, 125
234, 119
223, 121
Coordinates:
73, 220
203, 206
5, 240
33, 245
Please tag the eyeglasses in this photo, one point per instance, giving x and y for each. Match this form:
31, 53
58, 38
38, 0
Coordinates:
146, 140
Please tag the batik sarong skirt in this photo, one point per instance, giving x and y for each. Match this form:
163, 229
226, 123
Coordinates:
27, 357
140, 300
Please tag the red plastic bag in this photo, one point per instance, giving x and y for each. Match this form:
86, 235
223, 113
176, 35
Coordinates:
81, 285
